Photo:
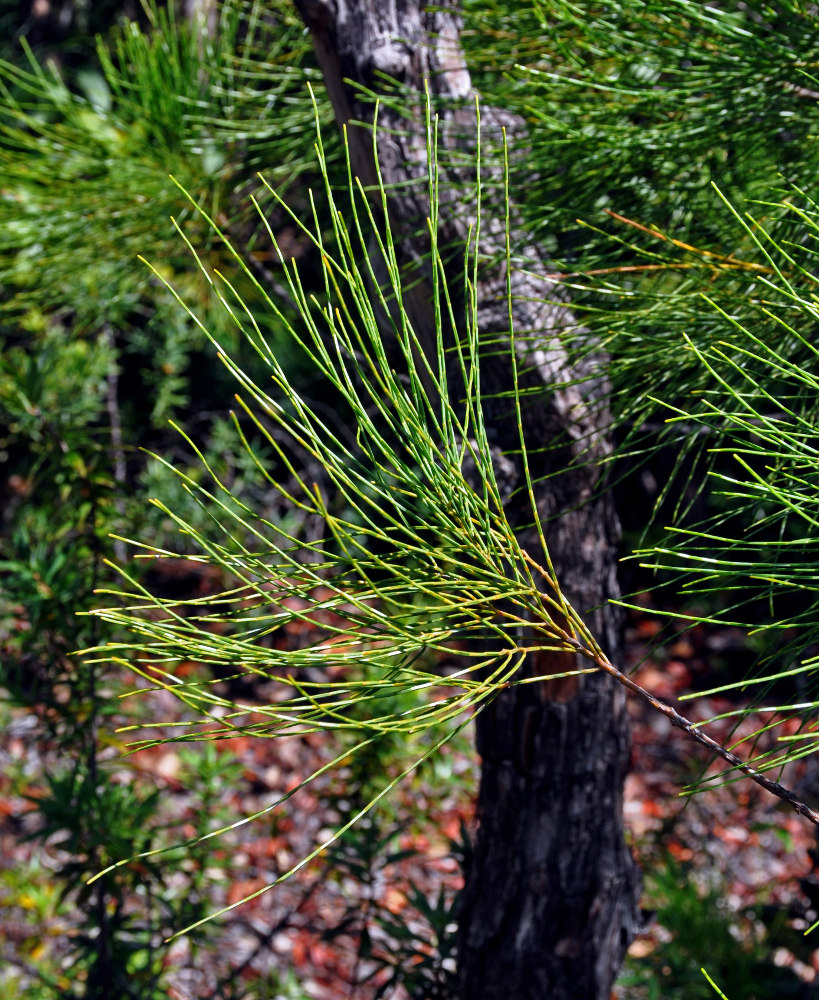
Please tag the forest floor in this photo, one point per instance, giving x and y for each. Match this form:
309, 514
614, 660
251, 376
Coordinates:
729, 876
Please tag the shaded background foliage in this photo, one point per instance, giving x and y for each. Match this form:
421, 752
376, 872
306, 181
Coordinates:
632, 109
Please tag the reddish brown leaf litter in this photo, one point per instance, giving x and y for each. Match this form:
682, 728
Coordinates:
311, 927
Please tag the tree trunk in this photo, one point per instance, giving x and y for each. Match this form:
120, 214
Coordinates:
550, 902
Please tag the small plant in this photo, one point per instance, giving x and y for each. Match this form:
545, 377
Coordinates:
407, 941
695, 926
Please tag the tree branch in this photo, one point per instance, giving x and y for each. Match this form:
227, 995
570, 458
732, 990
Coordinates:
691, 729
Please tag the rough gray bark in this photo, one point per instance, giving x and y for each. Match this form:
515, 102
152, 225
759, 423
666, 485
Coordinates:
550, 903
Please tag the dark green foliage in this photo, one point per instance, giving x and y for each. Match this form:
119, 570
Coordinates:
634, 110
94, 358
693, 126
85, 171
736, 949
414, 948
90, 815
636, 106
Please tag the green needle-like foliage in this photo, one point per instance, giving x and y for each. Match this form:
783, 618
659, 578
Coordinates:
758, 412
414, 557
633, 110
637, 105
84, 175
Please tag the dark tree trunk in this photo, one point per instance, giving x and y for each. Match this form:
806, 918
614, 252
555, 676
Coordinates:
550, 903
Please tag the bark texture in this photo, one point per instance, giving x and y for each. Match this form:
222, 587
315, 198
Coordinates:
550, 903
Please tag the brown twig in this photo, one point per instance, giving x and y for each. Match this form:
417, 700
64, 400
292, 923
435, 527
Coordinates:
693, 732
